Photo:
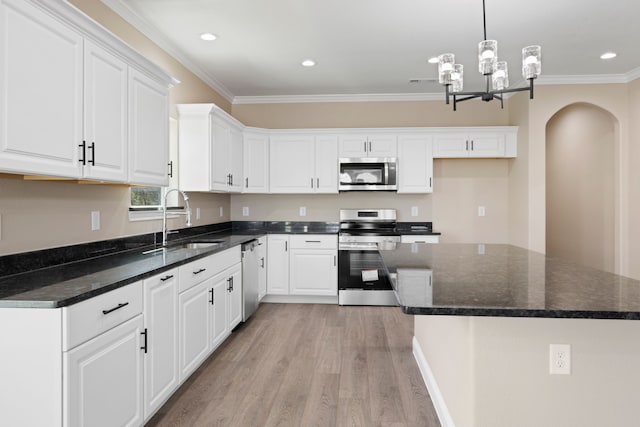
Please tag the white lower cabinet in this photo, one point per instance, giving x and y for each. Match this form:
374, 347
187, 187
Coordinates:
302, 264
103, 379
161, 375
194, 327
262, 273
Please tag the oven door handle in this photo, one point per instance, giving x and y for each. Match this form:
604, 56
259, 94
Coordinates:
386, 173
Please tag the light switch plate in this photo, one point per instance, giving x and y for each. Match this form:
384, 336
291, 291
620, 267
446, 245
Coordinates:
221, 211
245, 211
414, 211
481, 211
303, 211
197, 213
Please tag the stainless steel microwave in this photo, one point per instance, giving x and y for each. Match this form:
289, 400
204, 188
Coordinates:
368, 174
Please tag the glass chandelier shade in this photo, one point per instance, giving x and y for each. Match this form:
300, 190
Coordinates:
500, 76
445, 68
531, 62
487, 56
457, 78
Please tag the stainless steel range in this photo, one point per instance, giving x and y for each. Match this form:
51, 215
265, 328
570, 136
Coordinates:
361, 276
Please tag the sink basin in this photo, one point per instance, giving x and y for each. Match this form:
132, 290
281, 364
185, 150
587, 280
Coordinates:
190, 245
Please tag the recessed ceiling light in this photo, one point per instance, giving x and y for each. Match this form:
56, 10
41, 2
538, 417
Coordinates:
208, 36
608, 55
308, 63
433, 60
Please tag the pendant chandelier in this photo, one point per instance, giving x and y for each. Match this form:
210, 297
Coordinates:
495, 72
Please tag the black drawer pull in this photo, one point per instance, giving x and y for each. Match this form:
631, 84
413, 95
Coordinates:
199, 271
165, 278
211, 300
122, 304
312, 241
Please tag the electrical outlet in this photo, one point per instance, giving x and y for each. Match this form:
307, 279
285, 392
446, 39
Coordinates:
481, 248
414, 211
95, 220
221, 211
560, 359
197, 213
245, 211
481, 211
303, 211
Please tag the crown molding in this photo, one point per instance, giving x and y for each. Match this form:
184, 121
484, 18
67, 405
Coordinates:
363, 97
140, 24
583, 79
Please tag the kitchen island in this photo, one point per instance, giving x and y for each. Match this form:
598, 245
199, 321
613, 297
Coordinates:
485, 317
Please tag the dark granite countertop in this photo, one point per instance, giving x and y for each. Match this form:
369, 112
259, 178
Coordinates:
63, 276
505, 280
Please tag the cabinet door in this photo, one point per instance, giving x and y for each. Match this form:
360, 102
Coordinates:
326, 164
161, 375
235, 296
451, 145
415, 164
220, 154
313, 272
220, 307
107, 368
262, 273
194, 327
235, 161
382, 146
277, 264
40, 92
256, 162
292, 163
353, 145
105, 115
486, 145
148, 130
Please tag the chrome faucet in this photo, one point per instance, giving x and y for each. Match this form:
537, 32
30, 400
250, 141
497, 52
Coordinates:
187, 212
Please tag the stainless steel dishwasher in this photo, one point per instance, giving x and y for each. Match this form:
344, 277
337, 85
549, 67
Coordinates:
250, 281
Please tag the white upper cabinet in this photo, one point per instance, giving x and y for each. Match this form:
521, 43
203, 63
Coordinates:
415, 163
256, 161
148, 130
210, 147
40, 92
303, 163
95, 118
368, 145
104, 150
475, 142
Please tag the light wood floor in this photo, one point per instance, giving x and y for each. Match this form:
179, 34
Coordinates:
308, 365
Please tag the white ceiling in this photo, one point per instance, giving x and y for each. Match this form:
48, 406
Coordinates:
377, 46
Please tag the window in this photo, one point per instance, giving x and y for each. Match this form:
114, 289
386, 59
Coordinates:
146, 197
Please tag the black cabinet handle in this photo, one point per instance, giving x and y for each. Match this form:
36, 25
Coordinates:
83, 160
365, 146
115, 308
211, 292
369, 146
144, 346
199, 271
170, 164
165, 278
334, 260
312, 182
246, 183
472, 145
231, 180
285, 245
466, 145
430, 185
231, 279
312, 241
229, 284
92, 147
262, 262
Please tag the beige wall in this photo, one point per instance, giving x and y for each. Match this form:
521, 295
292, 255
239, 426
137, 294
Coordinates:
519, 173
580, 187
494, 372
633, 181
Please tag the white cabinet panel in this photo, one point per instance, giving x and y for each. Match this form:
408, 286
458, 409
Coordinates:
235, 161
262, 273
368, 145
219, 305
195, 328
414, 238
105, 115
472, 144
148, 130
220, 154
313, 272
415, 164
256, 162
40, 77
234, 296
161, 323
106, 369
326, 164
292, 161
277, 264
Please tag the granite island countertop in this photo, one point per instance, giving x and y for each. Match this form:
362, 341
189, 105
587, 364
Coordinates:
505, 280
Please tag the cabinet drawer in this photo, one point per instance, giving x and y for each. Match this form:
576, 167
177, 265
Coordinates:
429, 238
92, 317
226, 259
195, 272
313, 241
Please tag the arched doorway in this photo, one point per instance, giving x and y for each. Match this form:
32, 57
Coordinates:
580, 186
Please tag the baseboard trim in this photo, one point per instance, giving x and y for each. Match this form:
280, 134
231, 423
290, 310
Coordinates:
300, 299
432, 386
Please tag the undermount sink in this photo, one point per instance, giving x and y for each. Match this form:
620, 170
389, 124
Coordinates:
188, 245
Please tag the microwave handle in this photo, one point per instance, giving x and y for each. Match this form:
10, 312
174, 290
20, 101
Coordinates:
386, 173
